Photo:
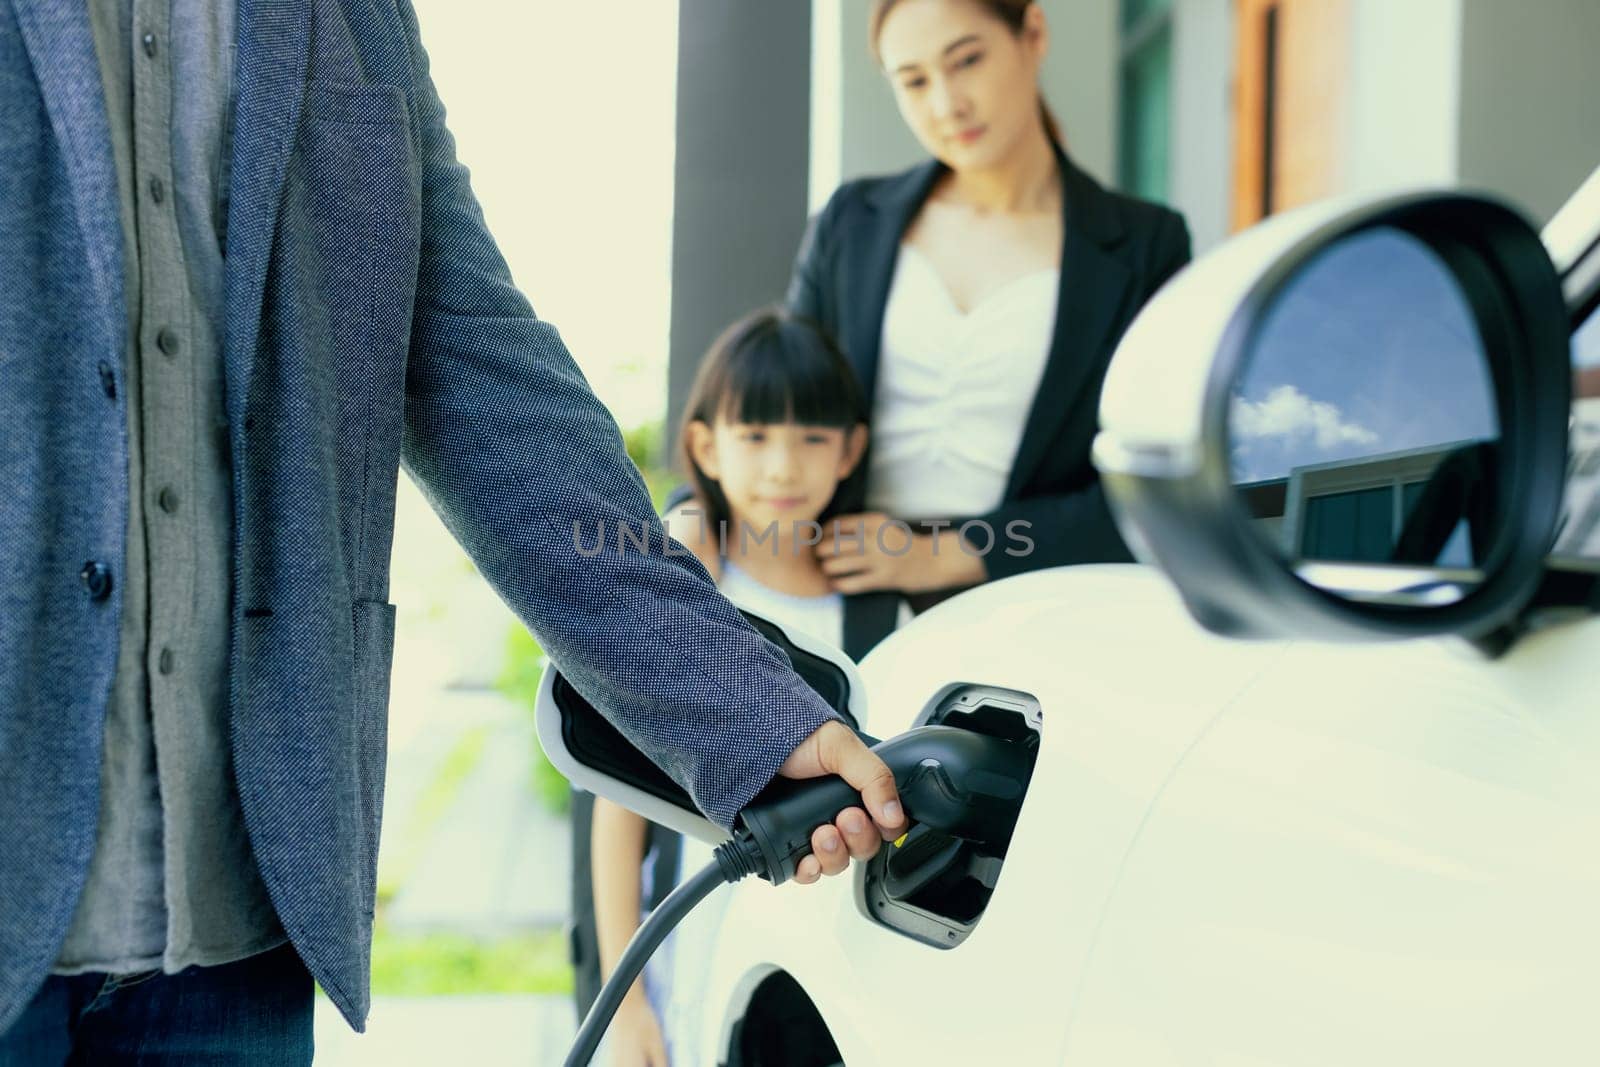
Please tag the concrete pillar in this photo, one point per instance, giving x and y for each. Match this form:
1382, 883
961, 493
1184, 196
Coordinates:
739, 199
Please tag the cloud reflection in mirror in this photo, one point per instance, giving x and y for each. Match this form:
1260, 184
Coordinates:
1363, 427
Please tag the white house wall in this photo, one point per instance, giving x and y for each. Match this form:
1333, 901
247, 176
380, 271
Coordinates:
1403, 103
1202, 117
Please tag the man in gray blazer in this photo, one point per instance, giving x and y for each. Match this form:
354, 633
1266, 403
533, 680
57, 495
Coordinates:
238, 288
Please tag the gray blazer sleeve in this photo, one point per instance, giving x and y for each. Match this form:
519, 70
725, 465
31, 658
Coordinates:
519, 458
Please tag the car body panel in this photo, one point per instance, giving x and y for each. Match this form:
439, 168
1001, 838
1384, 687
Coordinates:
1113, 731
1388, 871
1227, 847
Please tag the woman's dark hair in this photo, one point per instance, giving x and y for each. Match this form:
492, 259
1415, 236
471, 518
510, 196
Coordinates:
1010, 12
774, 367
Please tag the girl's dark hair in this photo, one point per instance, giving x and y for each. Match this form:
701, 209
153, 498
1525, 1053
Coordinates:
1010, 12
774, 367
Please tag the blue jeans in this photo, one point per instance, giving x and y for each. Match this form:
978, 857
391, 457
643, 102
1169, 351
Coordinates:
254, 1011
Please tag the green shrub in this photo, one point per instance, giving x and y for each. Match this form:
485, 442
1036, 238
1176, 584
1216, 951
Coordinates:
651, 452
430, 809
519, 681
437, 963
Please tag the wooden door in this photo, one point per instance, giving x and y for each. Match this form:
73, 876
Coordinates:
1288, 103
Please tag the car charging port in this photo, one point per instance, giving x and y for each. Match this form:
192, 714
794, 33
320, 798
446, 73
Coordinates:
933, 886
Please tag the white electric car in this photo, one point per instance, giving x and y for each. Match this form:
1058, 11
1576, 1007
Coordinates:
1319, 783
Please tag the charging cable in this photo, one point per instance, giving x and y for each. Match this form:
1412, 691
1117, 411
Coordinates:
962, 783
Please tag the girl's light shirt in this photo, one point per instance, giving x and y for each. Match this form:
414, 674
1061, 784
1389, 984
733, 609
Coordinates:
820, 616
954, 390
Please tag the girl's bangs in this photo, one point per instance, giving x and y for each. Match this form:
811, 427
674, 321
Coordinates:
789, 375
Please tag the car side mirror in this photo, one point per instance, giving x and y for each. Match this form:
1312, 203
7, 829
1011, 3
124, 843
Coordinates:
594, 755
1348, 422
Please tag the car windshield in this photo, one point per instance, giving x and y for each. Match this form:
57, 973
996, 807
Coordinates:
1579, 539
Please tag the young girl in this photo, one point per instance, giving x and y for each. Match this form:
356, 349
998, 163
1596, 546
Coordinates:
773, 436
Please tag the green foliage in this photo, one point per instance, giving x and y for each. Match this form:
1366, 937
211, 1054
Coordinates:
435, 964
431, 807
645, 444
519, 681
652, 453
524, 666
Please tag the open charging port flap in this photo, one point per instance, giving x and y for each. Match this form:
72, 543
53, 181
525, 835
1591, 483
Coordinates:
934, 887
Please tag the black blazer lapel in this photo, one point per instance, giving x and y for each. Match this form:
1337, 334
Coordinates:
895, 204
1094, 287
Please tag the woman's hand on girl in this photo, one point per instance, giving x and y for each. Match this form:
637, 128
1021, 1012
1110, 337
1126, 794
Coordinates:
873, 551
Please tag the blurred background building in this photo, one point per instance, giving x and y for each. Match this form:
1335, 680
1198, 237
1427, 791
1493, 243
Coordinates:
648, 167
1228, 110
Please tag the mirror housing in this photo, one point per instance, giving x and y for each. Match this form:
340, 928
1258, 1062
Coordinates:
594, 755
1163, 451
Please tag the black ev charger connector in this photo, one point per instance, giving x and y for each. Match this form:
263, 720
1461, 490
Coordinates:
961, 783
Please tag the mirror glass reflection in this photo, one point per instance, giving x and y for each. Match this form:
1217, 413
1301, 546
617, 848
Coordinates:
1364, 438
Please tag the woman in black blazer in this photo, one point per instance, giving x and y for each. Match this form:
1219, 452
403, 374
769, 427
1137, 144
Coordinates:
999, 202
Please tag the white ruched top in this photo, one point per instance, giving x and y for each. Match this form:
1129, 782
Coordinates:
954, 390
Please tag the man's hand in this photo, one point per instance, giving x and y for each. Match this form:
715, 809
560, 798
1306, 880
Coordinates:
835, 749
868, 552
